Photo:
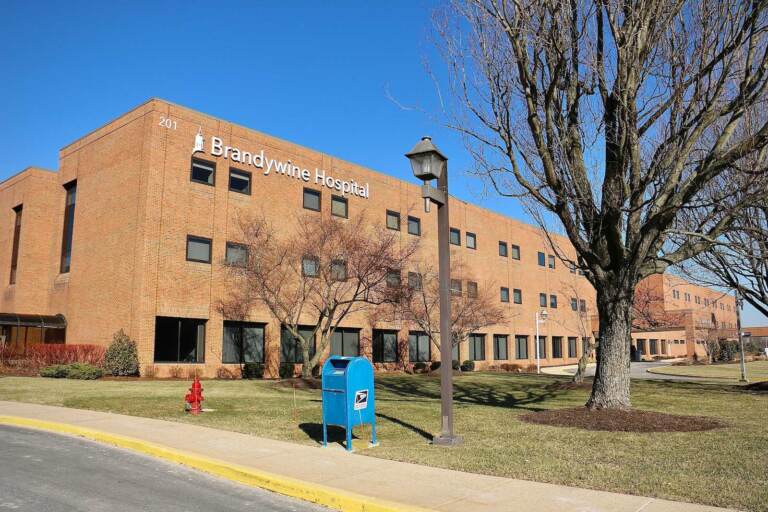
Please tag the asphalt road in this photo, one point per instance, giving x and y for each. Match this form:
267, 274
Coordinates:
44, 472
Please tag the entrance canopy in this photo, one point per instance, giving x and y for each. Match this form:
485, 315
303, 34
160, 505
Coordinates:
40, 321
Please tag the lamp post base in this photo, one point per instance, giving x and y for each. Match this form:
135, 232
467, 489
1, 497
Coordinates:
447, 440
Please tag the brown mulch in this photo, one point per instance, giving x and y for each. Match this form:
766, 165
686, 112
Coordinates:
299, 383
760, 387
631, 420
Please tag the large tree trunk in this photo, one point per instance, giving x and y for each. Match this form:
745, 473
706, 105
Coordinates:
610, 389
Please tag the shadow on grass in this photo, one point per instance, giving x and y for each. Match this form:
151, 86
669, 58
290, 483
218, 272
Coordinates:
423, 433
524, 396
336, 434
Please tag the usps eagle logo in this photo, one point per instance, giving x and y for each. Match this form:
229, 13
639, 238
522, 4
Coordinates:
199, 141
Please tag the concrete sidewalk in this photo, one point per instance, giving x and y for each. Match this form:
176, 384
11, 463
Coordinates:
381, 480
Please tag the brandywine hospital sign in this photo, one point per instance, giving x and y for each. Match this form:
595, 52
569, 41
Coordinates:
277, 167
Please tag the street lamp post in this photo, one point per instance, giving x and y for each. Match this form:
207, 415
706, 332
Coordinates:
428, 164
742, 364
541, 317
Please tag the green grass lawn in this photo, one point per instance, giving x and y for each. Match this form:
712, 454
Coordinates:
756, 371
727, 467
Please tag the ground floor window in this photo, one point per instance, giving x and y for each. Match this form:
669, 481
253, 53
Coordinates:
384, 346
571, 347
419, 349
345, 342
290, 346
557, 347
500, 347
179, 340
542, 347
243, 342
477, 347
521, 347
652, 346
641, 346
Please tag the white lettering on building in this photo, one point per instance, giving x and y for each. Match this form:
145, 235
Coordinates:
287, 168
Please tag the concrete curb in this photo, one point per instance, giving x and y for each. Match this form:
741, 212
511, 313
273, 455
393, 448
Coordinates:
314, 493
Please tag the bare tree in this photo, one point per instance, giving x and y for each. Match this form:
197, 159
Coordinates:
325, 271
612, 117
473, 306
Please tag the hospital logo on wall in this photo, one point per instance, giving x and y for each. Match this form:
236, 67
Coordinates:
361, 399
199, 141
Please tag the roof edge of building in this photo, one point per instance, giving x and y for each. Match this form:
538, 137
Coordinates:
28, 169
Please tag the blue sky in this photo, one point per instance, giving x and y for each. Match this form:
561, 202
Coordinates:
319, 74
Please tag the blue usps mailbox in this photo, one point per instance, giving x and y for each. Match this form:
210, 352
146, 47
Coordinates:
348, 395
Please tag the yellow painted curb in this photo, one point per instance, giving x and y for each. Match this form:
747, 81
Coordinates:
315, 493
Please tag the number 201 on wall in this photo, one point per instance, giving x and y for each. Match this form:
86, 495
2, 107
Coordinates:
167, 122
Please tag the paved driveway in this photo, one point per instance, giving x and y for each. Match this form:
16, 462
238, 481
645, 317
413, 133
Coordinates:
44, 472
637, 371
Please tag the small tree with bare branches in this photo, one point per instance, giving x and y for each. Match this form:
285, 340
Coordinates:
325, 270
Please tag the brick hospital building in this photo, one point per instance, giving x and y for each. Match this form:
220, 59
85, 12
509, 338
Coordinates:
133, 230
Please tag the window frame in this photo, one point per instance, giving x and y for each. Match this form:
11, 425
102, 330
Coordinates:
192, 178
311, 192
310, 257
496, 352
468, 235
242, 326
456, 290
472, 289
415, 277
514, 249
417, 222
68, 230
451, 233
17, 220
337, 199
240, 171
518, 339
541, 259
199, 342
505, 252
343, 332
199, 239
573, 343
297, 344
551, 261
377, 346
553, 301
473, 341
543, 300
235, 245
419, 336
501, 294
557, 342
517, 292
337, 263
395, 215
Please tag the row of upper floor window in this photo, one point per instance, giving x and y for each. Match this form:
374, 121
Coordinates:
698, 300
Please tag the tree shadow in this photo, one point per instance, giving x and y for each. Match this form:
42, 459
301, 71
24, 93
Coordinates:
336, 434
423, 433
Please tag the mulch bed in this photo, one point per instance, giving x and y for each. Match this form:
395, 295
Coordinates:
631, 420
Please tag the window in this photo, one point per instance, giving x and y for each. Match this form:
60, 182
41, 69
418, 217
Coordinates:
69, 226
179, 340
706, 302
583, 306
722, 306
393, 220
239, 181
16, 235
521, 347
551, 261
236, 254
471, 240
393, 278
455, 237
543, 300
414, 280
542, 347
384, 346
698, 300
557, 347
455, 287
339, 206
203, 172
571, 347
517, 295
243, 342
504, 294
290, 347
311, 199
500, 347
476, 347
310, 266
414, 226
418, 347
515, 252
542, 259
471, 289
339, 270
675, 294
687, 297
652, 346
574, 304
503, 251
345, 342
198, 249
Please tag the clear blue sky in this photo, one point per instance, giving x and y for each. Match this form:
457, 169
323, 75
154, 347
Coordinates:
320, 76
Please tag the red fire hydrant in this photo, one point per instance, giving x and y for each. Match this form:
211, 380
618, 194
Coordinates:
194, 399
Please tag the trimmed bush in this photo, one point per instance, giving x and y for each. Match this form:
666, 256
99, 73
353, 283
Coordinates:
286, 370
121, 358
55, 371
455, 365
419, 367
435, 366
468, 366
253, 371
84, 371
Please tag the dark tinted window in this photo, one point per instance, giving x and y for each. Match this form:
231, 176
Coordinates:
345, 342
500, 347
542, 259
518, 296
455, 237
393, 220
340, 206
521, 347
16, 238
503, 249
69, 227
179, 340
311, 199
384, 346
476, 347
515, 252
237, 254
414, 226
203, 172
243, 342
290, 347
198, 249
419, 349
239, 181
471, 240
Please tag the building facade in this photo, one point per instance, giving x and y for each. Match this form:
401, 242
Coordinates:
133, 231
